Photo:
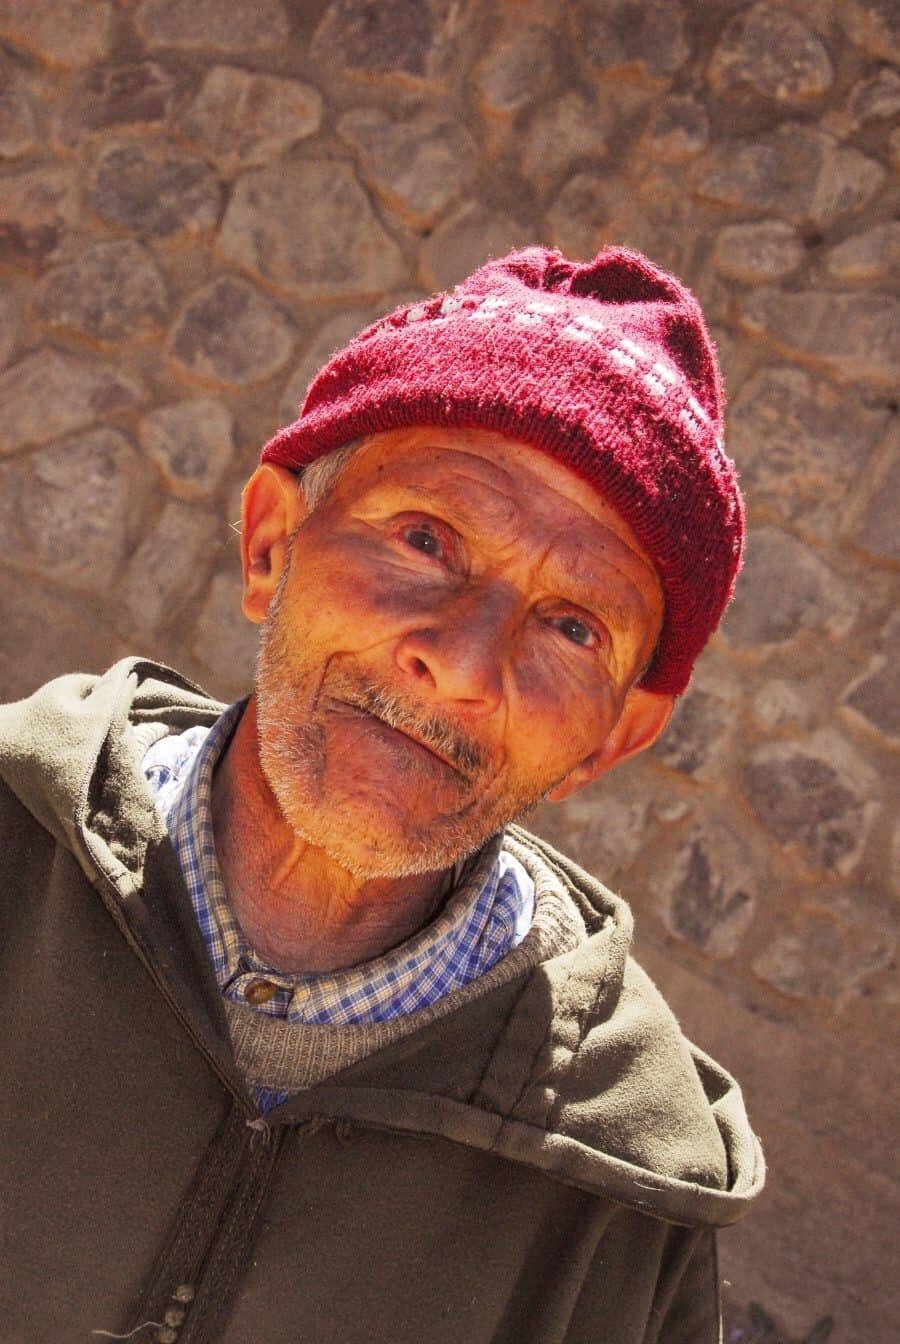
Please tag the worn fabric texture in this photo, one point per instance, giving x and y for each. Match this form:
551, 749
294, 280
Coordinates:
547, 1162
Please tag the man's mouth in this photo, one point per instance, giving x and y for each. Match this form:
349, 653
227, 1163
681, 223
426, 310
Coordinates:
408, 731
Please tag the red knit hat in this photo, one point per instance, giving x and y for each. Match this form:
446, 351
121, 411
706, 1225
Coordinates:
605, 365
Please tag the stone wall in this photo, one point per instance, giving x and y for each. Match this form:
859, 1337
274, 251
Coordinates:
203, 198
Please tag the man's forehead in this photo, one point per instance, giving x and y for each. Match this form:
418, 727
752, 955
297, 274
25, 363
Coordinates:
506, 476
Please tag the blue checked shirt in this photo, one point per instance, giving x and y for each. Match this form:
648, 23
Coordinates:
454, 949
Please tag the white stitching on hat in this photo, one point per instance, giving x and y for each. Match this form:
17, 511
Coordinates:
623, 359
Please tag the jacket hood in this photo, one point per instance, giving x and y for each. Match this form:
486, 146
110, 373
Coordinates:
577, 1068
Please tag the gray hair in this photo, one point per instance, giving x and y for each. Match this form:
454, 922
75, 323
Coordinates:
320, 477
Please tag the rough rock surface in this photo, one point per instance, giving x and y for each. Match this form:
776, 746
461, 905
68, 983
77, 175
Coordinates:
817, 797
677, 130
773, 54
37, 211
127, 93
219, 24
418, 163
230, 333
393, 38
759, 252
224, 637
516, 69
650, 37
112, 291
798, 172
766, 610
191, 443
62, 32
49, 394
308, 227
854, 336
152, 195
790, 431
18, 125
70, 511
242, 120
464, 241
169, 567
708, 890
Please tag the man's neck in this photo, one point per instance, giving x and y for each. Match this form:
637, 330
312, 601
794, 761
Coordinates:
298, 909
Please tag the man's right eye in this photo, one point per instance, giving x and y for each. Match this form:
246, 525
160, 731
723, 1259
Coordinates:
423, 539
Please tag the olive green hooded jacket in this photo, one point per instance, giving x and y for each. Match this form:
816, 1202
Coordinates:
547, 1165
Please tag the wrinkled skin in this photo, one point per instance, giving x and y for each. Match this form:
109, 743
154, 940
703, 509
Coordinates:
454, 633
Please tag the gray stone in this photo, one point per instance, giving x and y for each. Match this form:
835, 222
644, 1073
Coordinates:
191, 443
18, 128
37, 210
113, 290
759, 252
9, 326
465, 241
225, 640
517, 68
567, 131
677, 131
604, 827
699, 730
820, 955
171, 565
219, 24
647, 36
708, 890
77, 633
875, 696
232, 334
797, 171
128, 93
854, 336
873, 25
661, 227
377, 38
61, 32
419, 163
577, 219
71, 512
242, 120
815, 797
785, 588
799, 444
49, 394
784, 704
875, 98
772, 54
877, 531
309, 227
333, 336
155, 194
872, 255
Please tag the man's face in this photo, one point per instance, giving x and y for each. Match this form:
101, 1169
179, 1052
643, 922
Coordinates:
453, 637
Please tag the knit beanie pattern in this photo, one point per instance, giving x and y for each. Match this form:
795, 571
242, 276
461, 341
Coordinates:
607, 366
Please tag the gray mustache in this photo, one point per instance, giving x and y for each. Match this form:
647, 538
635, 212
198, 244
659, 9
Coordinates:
464, 754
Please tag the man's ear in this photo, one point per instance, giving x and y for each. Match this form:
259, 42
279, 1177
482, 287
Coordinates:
272, 508
644, 716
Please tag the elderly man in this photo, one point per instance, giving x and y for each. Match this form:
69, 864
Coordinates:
304, 1038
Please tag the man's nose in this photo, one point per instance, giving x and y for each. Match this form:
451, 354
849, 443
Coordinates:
458, 658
